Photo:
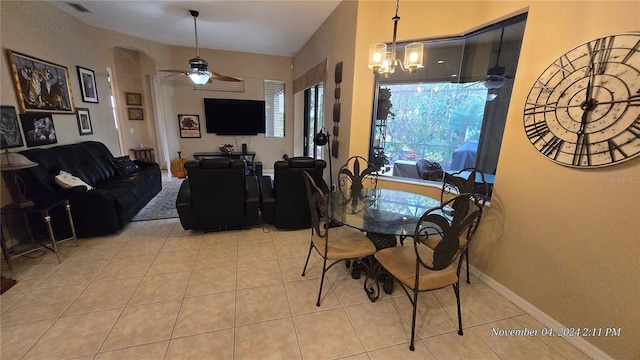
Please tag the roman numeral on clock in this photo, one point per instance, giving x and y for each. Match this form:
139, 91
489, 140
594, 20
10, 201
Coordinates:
631, 52
613, 147
536, 131
582, 149
552, 147
603, 50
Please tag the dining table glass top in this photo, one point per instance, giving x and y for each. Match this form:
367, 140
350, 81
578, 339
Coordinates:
382, 211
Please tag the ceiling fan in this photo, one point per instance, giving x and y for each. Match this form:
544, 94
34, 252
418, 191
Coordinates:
199, 73
495, 75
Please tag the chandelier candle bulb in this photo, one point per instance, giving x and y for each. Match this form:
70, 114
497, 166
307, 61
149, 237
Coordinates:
377, 55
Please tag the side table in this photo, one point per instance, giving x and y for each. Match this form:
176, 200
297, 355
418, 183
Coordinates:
144, 154
41, 208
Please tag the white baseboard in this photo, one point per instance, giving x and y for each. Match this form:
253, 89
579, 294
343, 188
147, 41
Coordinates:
546, 320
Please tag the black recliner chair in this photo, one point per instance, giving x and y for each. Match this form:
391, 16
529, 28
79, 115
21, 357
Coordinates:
284, 204
217, 195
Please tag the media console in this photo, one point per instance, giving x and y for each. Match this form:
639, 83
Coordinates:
249, 157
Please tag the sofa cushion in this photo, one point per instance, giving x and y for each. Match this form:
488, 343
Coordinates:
124, 165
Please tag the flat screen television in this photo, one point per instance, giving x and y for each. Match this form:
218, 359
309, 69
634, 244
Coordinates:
234, 117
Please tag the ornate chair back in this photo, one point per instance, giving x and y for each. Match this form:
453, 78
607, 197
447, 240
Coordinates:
354, 173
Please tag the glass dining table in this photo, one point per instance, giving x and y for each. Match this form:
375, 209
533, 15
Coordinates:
383, 214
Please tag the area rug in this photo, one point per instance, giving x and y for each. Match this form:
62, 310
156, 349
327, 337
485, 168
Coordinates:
163, 205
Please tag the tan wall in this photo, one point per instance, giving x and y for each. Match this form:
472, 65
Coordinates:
565, 240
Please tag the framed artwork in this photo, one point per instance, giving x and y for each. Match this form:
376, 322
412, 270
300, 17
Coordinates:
189, 126
135, 114
134, 99
88, 85
10, 136
41, 86
84, 121
38, 129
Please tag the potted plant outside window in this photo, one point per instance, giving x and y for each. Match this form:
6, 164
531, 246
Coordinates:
384, 104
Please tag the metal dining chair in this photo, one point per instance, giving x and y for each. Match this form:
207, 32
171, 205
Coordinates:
419, 267
353, 174
334, 244
465, 181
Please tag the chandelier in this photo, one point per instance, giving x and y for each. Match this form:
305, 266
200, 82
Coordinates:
385, 63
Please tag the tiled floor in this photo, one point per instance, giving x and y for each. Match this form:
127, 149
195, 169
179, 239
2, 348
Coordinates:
156, 291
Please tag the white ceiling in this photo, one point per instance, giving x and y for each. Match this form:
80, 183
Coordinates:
264, 27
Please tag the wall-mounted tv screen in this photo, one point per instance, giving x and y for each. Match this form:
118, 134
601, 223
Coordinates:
234, 117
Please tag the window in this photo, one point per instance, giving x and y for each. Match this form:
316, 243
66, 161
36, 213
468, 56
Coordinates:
313, 119
454, 109
274, 108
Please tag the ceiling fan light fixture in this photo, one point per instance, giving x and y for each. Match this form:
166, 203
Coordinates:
200, 78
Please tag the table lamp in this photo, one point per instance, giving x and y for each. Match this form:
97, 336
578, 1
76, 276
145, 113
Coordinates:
12, 163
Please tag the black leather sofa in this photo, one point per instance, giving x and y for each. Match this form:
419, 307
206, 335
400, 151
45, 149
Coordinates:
105, 210
217, 195
284, 203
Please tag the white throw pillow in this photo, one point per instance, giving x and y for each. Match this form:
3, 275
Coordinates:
66, 180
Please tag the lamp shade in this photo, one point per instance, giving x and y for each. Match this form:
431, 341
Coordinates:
13, 161
377, 55
200, 78
413, 56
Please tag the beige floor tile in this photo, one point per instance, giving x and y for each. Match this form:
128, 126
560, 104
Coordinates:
205, 313
97, 251
10, 297
148, 351
255, 234
17, 339
73, 336
514, 347
291, 268
126, 267
260, 273
291, 247
216, 256
77, 273
363, 356
401, 351
327, 335
169, 262
182, 243
249, 252
140, 246
303, 296
433, 318
351, 291
160, 287
211, 345
225, 238
143, 324
212, 280
41, 304
496, 299
158, 228
260, 304
559, 344
379, 324
476, 311
104, 296
275, 339
453, 346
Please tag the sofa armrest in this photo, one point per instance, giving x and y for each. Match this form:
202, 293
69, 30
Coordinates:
267, 199
183, 205
253, 192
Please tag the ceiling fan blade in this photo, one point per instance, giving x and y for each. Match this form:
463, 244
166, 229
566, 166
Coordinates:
216, 76
175, 71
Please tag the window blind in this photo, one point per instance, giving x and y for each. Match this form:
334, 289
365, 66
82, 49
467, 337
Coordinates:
274, 108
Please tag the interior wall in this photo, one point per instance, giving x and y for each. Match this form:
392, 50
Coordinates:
565, 240
254, 69
335, 41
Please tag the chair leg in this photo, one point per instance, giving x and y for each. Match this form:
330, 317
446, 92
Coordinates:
307, 261
466, 256
456, 289
324, 270
413, 320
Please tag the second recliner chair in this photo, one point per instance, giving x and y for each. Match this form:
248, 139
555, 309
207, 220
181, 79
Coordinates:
284, 204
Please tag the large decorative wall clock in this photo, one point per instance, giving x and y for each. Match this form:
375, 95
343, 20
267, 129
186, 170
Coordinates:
584, 109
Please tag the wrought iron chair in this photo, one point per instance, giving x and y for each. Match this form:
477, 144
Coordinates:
344, 243
353, 174
419, 267
465, 181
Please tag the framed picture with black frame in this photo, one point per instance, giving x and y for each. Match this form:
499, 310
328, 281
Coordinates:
189, 125
38, 129
88, 85
84, 121
10, 136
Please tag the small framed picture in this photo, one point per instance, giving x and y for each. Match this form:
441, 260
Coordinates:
134, 99
135, 114
84, 121
38, 129
88, 85
189, 125
10, 136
